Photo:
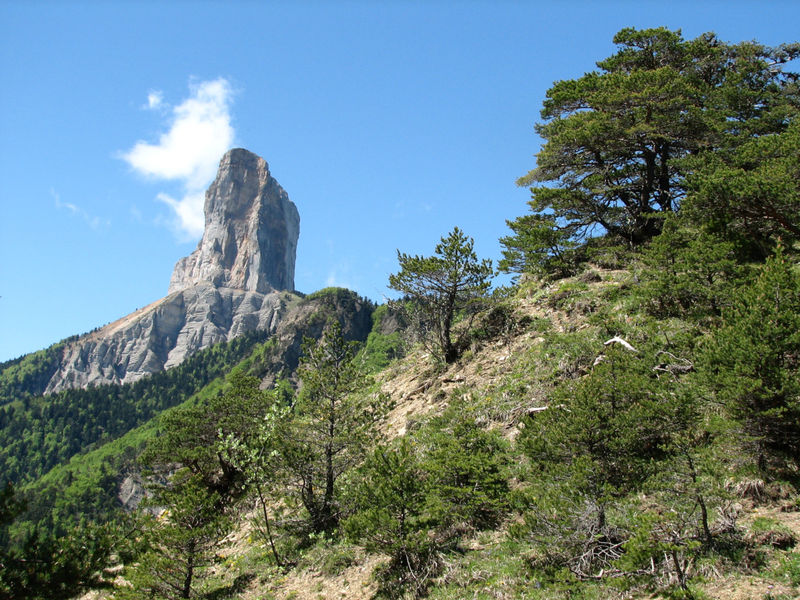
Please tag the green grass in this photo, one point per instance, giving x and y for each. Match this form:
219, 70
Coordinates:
498, 569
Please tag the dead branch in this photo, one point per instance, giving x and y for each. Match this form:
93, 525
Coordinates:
678, 366
618, 340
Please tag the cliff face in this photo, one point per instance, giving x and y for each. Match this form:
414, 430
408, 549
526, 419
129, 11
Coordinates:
251, 230
161, 335
237, 280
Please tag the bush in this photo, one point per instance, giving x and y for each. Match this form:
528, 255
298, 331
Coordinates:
467, 466
393, 517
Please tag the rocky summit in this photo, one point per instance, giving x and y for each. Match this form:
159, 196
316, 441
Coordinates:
235, 281
251, 230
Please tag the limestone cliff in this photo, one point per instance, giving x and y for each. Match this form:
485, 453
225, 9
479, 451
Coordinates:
238, 279
163, 334
251, 230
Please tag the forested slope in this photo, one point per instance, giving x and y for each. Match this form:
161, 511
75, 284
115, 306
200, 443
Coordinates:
621, 422
582, 445
40, 432
68, 453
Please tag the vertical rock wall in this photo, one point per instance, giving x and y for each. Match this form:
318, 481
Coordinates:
251, 231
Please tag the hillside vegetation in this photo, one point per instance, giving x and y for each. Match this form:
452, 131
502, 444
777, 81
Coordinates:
622, 422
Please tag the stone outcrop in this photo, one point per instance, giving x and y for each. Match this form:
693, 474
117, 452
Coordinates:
308, 318
132, 491
161, 335
237, 280
251, 230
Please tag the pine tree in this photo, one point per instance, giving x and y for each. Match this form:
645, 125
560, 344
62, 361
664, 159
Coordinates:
621, 141
393, 517
752, 194
442, 287
183, 540
333, 425
190, 434
752, 362
599, 440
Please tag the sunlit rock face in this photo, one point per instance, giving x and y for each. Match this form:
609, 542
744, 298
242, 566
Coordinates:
164, 333
238, 279
251, 231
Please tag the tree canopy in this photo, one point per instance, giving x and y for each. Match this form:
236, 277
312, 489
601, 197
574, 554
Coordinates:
620, 142
334, 424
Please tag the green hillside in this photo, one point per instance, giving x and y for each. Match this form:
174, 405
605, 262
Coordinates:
67, 453
39, 432
621, 422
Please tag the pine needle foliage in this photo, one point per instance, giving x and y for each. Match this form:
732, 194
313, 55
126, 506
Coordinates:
443, 287
334, 423
752, 362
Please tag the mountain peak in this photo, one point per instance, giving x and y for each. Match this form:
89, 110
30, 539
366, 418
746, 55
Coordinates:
251, 231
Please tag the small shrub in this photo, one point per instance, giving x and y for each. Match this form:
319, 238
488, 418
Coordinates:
331, 558
569, 354
499, 321
751, 489
565, 292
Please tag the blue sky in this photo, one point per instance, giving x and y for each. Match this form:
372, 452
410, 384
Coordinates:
388, 123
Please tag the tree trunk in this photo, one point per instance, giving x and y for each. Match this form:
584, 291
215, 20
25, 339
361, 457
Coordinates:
601, 519
187, 580
327, 503
704, 519
700, 501
676, 563
448, 350
278, 561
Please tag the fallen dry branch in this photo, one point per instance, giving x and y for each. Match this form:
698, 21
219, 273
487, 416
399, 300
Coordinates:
618, 340
677, 366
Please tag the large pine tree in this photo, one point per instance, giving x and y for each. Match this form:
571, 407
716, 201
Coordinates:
619, 142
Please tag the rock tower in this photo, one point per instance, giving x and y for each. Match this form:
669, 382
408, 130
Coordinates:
237, 280
251, 230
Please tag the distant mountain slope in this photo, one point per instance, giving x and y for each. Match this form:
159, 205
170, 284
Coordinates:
41, 432
29, 375
164, 334
69, 449
236, 281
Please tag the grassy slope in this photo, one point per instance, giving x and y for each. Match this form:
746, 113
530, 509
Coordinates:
556, 332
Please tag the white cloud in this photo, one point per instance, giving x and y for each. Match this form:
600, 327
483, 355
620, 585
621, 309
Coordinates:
91, 221
155, 99
189, 213
199, 133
